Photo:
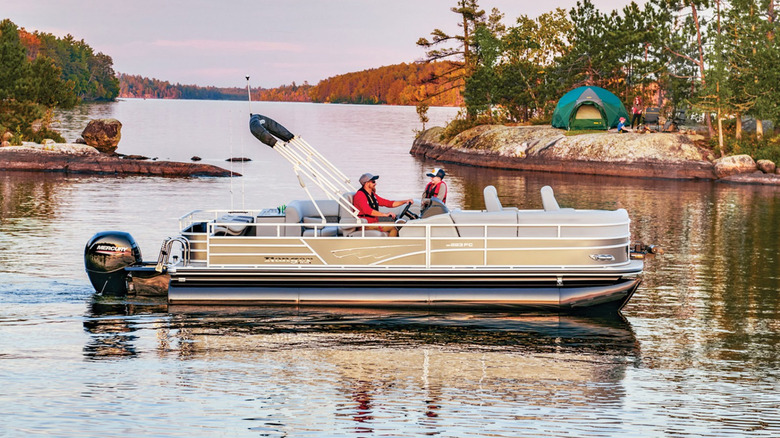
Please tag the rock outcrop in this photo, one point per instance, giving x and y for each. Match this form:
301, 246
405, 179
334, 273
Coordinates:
81, 159
544, 148
734, 165
103, 134
766, 166
754, 178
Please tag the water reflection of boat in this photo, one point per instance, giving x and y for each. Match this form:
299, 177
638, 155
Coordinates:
112, 334
228, 329
363, 358
320, 252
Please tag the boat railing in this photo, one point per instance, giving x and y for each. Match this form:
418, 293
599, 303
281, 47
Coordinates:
275, 239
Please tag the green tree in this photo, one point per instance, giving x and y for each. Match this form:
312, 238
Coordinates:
13, 62
483, 86
28, 90
532, 50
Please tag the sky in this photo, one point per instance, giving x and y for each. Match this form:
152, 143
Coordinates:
211, 42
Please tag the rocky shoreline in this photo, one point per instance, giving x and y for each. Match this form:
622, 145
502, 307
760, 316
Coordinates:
83, 159
547, 149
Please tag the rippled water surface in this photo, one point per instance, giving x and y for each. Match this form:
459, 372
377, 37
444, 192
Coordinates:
695, 353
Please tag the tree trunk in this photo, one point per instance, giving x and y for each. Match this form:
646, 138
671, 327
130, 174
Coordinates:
720, 134
707, 117
466, 51
720, 122
759, 129
738, 133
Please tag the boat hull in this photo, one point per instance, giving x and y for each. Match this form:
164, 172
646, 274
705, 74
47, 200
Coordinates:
489, 289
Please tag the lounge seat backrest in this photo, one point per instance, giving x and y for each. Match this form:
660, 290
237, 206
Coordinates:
446, 227
299, 209
471, 223
573, 223
345, 217
548, 199
492, 203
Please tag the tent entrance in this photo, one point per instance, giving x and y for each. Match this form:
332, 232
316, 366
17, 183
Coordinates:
588, 116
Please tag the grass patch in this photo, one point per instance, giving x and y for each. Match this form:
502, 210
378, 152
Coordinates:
583, 131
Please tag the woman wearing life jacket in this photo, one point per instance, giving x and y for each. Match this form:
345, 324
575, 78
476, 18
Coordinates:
437, 187
368, 202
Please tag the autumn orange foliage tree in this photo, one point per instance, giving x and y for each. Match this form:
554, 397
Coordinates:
399, 84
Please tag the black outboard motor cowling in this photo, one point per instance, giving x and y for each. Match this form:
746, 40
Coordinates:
105, 257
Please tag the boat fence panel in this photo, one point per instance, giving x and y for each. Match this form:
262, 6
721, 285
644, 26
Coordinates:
437, 243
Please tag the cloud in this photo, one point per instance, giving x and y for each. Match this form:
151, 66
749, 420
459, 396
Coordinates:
236, 46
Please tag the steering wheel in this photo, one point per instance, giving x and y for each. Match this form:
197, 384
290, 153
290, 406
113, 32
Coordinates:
407, 213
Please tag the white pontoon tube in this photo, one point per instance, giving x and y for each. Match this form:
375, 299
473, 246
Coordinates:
305, 160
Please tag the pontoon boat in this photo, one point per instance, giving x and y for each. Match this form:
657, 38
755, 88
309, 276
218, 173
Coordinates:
319, 252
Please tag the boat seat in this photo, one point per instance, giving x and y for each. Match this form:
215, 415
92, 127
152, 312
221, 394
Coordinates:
345, 216
472, 223
436, 231
348, 223
298, 210
605, 223
233, 225
492, 203
322, 231
548, 199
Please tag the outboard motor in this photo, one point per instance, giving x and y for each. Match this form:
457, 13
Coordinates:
105, 257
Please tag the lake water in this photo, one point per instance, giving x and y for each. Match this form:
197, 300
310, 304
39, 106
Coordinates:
695, 353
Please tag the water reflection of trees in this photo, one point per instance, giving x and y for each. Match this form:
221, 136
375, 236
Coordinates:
29, 194
716, 287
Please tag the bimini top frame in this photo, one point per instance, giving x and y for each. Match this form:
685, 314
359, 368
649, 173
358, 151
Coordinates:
306, 161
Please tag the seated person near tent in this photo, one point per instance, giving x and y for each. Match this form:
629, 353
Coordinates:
621, 127
368, 202
436, 187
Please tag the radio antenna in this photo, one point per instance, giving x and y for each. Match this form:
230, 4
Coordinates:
248, 95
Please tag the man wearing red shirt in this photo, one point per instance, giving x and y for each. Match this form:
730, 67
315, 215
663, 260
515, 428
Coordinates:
368, 202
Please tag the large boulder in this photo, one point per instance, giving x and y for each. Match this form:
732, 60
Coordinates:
733, 165
766, 166
103, 134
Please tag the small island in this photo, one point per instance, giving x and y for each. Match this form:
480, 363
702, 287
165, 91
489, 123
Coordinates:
544, 148
83, 159
96, 154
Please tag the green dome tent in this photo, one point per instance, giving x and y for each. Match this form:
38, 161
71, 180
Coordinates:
588, 108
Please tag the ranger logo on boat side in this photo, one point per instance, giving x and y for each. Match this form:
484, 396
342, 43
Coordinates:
290, 260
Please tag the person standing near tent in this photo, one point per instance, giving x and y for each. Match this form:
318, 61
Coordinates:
437, 187
636, 111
